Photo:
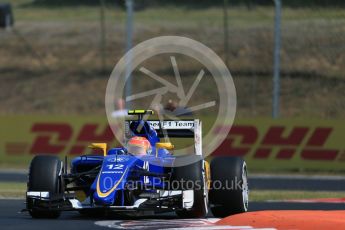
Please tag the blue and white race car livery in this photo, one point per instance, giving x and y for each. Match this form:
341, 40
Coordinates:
142, 177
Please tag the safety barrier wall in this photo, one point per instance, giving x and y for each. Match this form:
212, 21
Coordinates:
266, 144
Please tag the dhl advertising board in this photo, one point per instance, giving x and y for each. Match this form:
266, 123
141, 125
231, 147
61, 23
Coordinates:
266, 144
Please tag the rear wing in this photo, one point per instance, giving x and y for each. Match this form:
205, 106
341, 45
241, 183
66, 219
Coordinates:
176, 129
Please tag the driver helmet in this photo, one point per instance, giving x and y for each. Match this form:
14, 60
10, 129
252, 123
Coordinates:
139, 146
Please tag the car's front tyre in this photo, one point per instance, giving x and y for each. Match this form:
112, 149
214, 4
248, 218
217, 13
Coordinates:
45, 174
196, 173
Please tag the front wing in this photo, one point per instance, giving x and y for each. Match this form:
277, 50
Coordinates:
164, 201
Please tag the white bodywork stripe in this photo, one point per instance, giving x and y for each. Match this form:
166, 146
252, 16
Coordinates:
187, 199
38, 194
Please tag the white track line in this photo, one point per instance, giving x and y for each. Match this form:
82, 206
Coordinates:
172, 224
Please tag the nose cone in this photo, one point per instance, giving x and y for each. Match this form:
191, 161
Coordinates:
108, 184
107, 201
111, 179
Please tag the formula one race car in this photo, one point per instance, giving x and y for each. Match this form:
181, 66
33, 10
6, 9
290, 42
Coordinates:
140, 178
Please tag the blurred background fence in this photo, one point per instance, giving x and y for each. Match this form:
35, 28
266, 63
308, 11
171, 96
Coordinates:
56, 52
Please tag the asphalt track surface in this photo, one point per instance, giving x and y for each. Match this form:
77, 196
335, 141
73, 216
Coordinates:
11, 218
256, 182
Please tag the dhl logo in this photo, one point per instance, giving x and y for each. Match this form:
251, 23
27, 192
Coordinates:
278, 142
59, 138
281, 142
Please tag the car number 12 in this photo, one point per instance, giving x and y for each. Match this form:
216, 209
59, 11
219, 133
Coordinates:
115, 166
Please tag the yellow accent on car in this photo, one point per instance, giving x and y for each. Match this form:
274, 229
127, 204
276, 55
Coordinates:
140, 111
101, 194
80, 194
208, 174
164, 145
102, 146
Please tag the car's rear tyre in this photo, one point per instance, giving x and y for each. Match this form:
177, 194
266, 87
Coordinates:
196, 173
45, 175
229, 189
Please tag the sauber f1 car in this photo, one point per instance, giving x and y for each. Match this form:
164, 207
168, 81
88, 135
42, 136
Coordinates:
140, 178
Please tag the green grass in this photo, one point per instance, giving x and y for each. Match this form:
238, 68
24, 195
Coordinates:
265, 195
239, 17
12, 190
173, 15
67, 39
